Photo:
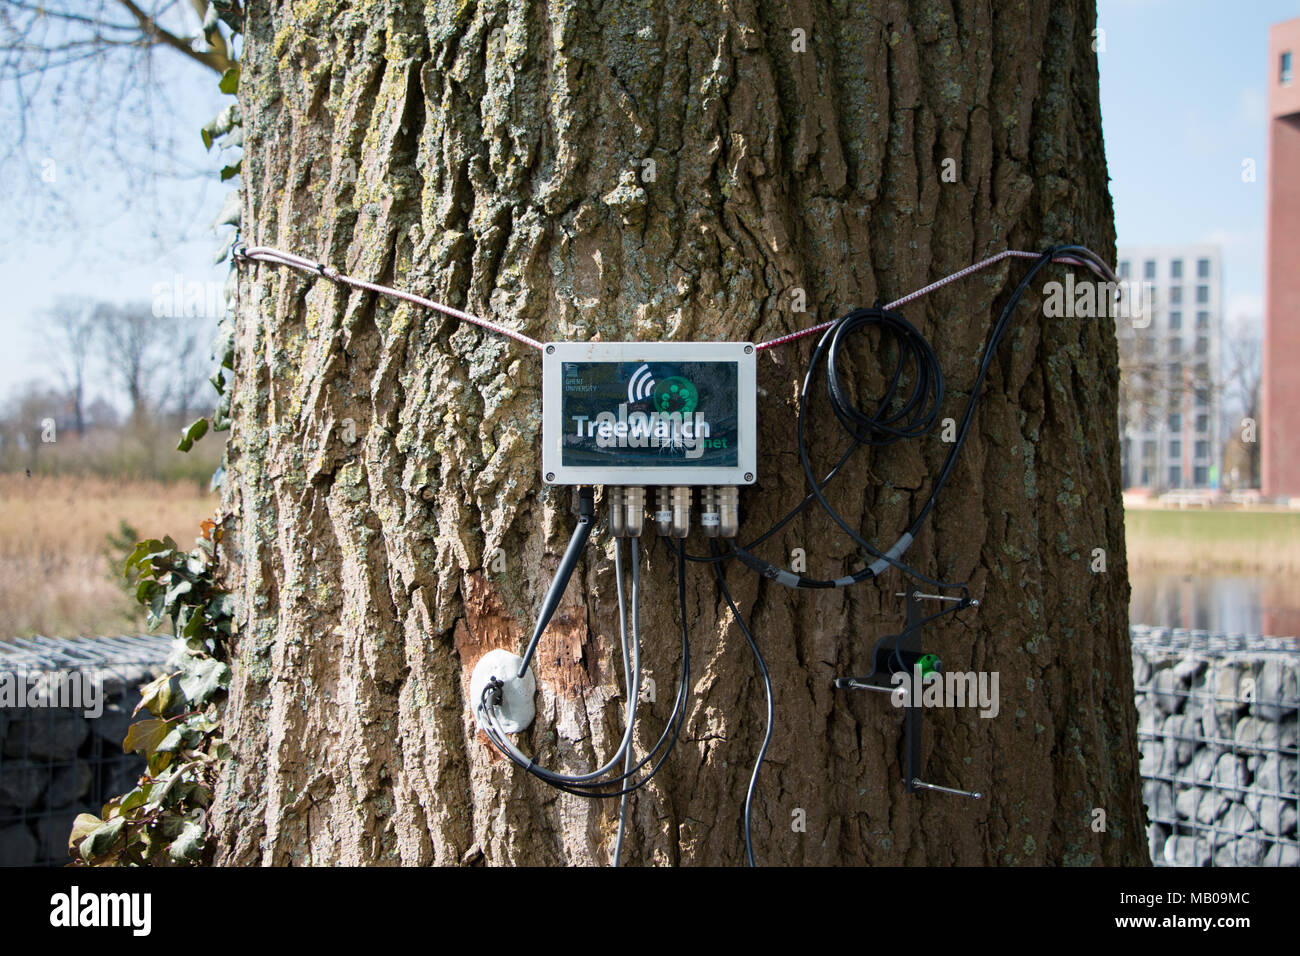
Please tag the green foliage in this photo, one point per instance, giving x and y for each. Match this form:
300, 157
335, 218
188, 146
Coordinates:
163, 820
230, 81
192, 433
226, 130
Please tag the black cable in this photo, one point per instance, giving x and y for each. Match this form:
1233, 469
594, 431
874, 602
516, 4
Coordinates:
560, 583
676, 720
767, 686
895, 416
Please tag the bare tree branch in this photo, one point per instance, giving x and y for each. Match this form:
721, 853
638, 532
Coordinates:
213, 59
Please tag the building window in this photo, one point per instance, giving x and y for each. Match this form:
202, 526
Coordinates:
1202, 345
1149, 449
1202, 268
1202, 398
1202, 450
1149, 269
1175, 422
1175, 476
1202, 475
1123, 269
1175, 449
1175, 319
1284, 69
1202, 294
1203, 423
1202, 321
1176, 295
1176, 268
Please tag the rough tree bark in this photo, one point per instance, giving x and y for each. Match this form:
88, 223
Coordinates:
492, 154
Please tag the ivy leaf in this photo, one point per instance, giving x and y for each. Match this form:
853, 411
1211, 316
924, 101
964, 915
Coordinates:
156, 696
229, 80
192, 433
230, 13
203, 678
229, 214
139, 557
231, 171
136, 798
182, 586
157, 608
221, 605
192, 625
101, 839
172, 741
145, 736
187, 847
83, 826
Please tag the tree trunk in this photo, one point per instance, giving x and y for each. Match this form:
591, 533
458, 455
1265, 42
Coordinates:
493, 155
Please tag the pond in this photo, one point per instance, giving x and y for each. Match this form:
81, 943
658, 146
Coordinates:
1214, 601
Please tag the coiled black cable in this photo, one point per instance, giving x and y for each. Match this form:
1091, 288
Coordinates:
895, 416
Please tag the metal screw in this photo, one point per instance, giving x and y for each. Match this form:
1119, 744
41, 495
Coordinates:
749, 350
550, 350
550, 476
749, 476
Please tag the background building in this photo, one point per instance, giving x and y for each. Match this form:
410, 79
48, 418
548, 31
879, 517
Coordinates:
1171, 382
1281, 404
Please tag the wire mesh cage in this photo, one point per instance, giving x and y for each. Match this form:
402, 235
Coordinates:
1217, 720
65, 704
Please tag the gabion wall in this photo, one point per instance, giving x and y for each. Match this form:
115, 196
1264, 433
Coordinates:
1217, 719
57, 760
1217, 728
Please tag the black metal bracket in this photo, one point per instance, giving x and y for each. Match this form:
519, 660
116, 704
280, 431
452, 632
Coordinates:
902, 653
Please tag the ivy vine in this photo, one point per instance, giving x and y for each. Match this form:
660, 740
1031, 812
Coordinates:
163, 820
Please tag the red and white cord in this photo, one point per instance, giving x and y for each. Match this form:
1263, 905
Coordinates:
279, 257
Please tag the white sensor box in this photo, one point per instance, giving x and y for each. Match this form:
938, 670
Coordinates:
649, 413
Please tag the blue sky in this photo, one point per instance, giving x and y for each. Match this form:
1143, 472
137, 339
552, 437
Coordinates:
1183, 103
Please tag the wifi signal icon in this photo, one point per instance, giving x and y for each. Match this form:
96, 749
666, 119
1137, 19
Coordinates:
640, 386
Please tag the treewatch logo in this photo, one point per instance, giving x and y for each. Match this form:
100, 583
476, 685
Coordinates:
672, 423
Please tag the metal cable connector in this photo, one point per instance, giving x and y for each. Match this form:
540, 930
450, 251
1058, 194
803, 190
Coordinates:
616, 499
681, 507
728, 497
633, 510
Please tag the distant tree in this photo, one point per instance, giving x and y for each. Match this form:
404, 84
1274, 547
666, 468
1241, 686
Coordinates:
69, 331
85, 74
31, 421
190, 366
101, 414
135, 348
1242, 385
